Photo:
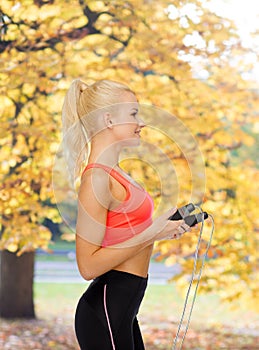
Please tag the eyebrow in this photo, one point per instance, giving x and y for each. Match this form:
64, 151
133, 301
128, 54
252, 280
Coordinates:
135, 109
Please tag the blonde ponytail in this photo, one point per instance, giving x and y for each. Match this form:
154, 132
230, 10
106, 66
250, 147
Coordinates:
79, 117
74, 136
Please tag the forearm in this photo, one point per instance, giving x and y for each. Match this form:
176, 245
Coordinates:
100, 260
94, 260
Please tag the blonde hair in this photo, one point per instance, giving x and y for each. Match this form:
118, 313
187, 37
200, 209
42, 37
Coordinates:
80, 102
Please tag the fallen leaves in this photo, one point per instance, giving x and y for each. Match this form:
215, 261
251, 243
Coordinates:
37, 335
58, 334
199, 339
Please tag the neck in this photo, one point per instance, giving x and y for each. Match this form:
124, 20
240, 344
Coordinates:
104, 152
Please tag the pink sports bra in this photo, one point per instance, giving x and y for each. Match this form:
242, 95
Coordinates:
131, 216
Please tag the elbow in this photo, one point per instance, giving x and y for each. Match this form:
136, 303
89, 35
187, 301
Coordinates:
87, 272
87, 275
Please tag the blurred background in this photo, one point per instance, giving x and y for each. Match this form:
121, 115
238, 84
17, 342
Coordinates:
196, 61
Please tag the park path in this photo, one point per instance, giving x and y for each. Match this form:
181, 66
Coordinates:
67, 272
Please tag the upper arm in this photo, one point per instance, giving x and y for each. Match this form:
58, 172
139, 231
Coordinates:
93, 204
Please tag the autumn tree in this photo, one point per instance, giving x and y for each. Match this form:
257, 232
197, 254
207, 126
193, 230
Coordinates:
179, 58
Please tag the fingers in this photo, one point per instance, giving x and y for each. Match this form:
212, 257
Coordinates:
162, 221
182, 228
169, 213
168, 229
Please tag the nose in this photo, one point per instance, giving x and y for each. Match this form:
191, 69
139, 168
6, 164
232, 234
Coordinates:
141, 123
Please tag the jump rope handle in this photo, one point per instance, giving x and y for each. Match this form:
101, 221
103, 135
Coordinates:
184, 212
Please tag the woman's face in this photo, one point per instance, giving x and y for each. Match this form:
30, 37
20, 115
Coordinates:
126, 123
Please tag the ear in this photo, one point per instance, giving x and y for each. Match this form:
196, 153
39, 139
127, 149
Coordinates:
107, 117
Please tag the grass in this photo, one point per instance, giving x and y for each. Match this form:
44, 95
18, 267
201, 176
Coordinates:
57, 247
62, 245
162, 303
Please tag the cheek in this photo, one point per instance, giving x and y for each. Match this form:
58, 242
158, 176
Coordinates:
125, 129
124, 132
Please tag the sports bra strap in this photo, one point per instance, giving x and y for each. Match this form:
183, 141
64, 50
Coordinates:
115, 174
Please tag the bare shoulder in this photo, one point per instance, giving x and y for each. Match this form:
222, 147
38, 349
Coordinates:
95, 186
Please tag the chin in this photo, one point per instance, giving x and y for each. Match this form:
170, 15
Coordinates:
134, 142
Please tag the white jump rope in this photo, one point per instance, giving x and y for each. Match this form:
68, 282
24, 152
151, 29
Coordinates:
192, 278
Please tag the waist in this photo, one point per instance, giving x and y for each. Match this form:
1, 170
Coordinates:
127, 279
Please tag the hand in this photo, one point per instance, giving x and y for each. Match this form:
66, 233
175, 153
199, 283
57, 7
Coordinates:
180, 231
169, 229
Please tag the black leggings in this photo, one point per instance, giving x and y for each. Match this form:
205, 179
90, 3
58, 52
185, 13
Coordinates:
106, 313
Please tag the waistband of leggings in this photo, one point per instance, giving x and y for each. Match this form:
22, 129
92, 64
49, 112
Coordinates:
122, 277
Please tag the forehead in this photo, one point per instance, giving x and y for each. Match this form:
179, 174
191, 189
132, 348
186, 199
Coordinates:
129, 100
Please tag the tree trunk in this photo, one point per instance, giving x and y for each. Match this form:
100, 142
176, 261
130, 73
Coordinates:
16, 285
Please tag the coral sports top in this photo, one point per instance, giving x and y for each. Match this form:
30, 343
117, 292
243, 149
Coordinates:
131, 216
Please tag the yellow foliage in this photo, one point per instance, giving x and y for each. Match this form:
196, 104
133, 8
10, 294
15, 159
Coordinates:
44, 49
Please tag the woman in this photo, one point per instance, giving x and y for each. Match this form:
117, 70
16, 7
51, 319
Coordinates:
115, 230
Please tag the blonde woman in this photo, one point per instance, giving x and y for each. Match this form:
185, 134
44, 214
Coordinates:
115, 231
